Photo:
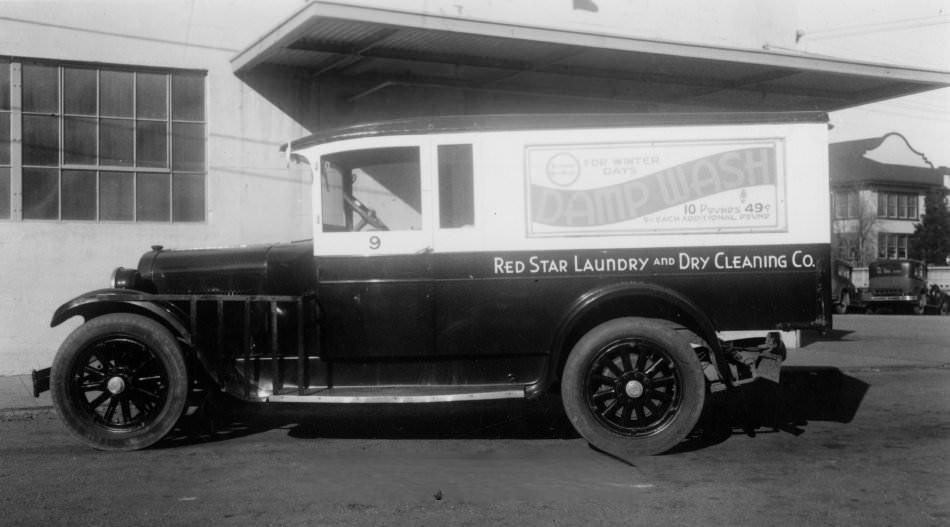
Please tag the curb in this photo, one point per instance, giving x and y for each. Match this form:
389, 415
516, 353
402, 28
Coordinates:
901, 368
874, 369
15, 414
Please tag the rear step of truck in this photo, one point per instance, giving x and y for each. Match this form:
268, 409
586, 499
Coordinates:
397, 394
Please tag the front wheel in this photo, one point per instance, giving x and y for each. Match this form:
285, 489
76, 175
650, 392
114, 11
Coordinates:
633, 386
120, 382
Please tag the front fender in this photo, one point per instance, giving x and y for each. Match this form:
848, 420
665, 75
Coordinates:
104, 301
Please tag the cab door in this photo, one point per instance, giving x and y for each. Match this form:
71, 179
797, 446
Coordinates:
371, 246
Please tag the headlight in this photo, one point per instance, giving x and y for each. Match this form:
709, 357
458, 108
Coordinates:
123, 278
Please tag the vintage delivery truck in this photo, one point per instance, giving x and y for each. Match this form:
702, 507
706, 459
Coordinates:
601, 257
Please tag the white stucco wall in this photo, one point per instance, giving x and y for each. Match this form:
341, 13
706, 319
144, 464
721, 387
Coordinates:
252, 195
725, 23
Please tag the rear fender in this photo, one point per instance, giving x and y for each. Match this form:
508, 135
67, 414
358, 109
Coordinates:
631, 299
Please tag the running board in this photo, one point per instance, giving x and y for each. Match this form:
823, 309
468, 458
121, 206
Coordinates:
397, 395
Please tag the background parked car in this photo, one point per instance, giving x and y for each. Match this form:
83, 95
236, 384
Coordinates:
902, 284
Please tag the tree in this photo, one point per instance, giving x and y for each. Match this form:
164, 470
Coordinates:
931, 239
855, 226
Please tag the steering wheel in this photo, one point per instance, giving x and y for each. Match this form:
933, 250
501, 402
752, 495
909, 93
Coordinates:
367, 215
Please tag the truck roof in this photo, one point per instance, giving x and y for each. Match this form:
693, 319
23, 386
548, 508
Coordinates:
515, 122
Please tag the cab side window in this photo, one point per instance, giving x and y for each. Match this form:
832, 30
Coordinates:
456, 188
373, 189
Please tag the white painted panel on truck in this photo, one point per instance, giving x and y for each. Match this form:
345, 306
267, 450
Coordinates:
656, 187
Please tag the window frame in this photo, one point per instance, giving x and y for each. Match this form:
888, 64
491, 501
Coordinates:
455, 185
892, 245
894, 205
7, 104
377, 242
846, 204
847, 247
184, 199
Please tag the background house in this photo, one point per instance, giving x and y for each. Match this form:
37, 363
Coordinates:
878, 187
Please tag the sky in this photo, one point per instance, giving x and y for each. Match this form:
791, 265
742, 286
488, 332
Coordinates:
906, 32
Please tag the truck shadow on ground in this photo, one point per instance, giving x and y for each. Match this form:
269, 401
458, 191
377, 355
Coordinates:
805, 394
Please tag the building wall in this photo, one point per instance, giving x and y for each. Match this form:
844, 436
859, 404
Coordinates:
253, 194
725, 23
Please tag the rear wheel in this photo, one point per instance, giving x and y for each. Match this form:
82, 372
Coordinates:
633, 386
120, 382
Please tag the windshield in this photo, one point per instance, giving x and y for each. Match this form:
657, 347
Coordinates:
371, 189
891, 269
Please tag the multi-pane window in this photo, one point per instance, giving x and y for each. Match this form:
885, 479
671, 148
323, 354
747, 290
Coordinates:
897, 205
847, 248
102, 143
846, 205
891, 245
5, 188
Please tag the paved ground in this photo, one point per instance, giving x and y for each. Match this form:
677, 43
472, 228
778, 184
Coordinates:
861, 436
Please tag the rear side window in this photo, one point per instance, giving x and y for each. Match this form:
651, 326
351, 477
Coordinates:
456, 188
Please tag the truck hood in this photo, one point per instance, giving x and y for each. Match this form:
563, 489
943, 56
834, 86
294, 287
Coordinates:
256, 270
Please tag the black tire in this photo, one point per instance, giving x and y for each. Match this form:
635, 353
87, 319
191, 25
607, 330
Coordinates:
633, 387
120, 382
945, 307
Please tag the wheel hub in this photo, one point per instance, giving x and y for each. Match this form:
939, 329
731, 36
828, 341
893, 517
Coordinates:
116, 385
634, 389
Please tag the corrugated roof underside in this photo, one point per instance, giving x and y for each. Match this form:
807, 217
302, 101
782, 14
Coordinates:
371, 52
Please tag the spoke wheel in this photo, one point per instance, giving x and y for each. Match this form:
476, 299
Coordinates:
123, 383
633, 386
119, 382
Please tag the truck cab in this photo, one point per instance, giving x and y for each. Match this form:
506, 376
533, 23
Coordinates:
604, 258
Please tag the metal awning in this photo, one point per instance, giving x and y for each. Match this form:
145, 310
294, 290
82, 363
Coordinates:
373, 49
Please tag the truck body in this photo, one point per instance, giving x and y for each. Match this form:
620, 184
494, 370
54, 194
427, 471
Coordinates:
478, 258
